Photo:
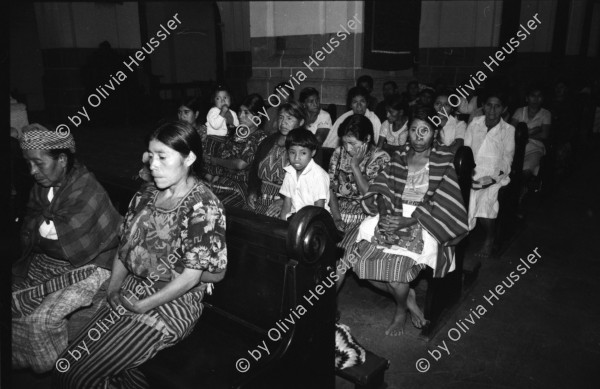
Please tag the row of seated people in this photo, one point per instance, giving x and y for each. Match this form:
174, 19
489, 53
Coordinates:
399, 213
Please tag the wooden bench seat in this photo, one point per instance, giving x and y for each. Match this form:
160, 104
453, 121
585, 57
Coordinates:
274, 268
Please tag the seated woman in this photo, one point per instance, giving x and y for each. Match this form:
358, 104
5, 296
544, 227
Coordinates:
267, 171
69, 238
453, 130
188, 111
352, 168
394, 131
418, 215
357, 102
284, 95
172, 248
318, 121
538, 122
230, 168
492, 141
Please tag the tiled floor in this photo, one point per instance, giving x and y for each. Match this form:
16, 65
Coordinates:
543, 332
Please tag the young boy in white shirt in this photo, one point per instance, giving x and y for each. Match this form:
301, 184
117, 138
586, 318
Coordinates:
305, 182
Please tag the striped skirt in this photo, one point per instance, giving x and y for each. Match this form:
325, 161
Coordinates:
371, 263
269, 193
352, 214
108, 351
53, 290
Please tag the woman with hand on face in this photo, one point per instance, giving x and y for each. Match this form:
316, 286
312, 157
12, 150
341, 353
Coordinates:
172, 248
267, 171
492, 141
417, 216
357, 102
352, 168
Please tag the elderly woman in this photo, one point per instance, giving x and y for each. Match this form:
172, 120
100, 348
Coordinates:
267, 171
417, 215
357, 102
69, 238
352, 168
230, 168
172, 248
492, 141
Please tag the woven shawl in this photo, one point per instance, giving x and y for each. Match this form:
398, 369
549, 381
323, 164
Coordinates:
442, 212
86, 221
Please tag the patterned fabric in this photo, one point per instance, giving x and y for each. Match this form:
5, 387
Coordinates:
163, 242
127, 340
348, 352
41, 304
371, 263
442, 212
345, 188
340, 171
232, 185
157, 245
38, 137
85, 220
271, 171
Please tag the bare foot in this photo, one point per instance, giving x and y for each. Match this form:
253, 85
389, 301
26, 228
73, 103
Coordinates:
396, 328
416, 315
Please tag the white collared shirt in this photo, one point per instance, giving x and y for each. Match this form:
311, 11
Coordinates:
311, 186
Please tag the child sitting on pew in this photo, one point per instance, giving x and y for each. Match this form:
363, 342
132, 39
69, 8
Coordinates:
305, 182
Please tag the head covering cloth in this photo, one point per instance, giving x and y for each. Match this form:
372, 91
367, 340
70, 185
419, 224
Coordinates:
37, 137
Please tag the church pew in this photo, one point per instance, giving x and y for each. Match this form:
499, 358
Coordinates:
444, 293
270, 297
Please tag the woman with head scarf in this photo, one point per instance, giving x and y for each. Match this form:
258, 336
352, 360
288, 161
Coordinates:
69, 238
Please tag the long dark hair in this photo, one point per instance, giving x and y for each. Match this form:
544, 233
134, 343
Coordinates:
183, 138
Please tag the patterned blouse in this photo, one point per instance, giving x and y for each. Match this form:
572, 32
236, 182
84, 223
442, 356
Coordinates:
239, 148
244, 148
271, 169
340, 171
159, 244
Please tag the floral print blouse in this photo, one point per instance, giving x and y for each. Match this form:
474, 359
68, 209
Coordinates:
161, 243
340, 171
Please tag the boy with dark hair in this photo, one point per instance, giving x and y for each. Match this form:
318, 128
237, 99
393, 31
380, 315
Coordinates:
305, 182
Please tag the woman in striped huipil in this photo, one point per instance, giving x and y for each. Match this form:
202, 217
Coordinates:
416, 216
